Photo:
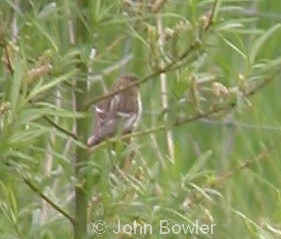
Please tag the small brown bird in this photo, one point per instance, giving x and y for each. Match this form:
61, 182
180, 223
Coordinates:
119, 113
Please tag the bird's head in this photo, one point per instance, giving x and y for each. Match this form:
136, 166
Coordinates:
125, 80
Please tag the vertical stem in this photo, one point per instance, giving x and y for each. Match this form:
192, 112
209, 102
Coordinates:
77, 32
47, 171
15, 28
164, 91
81, 190
81, 201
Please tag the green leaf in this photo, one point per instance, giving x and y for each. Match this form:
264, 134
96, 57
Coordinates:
38, 89
199, 163
45, 32
258, 44
16, 83
33, 114
20, 155
26, 136
62, 135
47, 11
235, 48
57, 111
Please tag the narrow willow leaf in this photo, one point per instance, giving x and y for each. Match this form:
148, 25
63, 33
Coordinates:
29, 115
4, 208
273, 229
247, 219
48, 11
235, 48
258, 44
179, 215
46, 34
26, 136
36, 215
57, 111
16, 82
229, 26
199, 163
202, 191
41, 89
238, 26
63, 136
274, 64
21, 155
13, 201
52, 153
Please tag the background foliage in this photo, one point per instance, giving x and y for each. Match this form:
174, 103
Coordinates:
208, 145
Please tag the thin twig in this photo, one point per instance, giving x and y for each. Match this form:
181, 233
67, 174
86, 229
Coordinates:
8, 64
212, 15
168, 67
51, 122
48, 200
247, 164
171, 66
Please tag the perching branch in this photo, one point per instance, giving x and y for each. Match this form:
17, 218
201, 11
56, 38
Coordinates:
180, 122
168, 67
171, 66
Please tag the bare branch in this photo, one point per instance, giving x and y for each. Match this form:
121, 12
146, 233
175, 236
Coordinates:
60, 128
48, 200
168, 67
171, 66
247, 164
212, 15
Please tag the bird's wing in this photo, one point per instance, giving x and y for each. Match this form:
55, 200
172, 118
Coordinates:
101, 112
126, 111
